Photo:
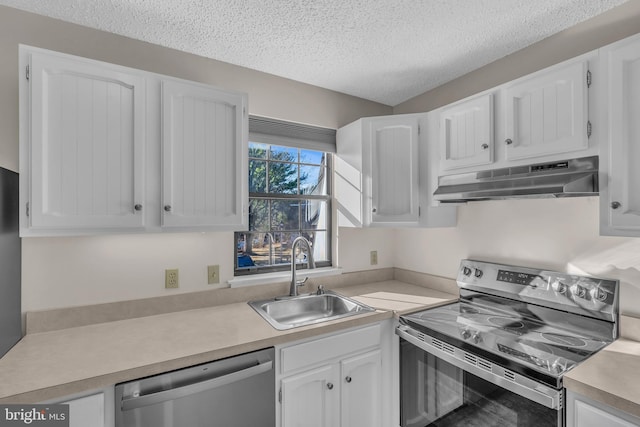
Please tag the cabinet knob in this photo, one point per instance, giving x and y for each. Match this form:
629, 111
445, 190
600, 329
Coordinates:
348, 379
374, 210
508, 141
167, 208
330, 386
485, 146
138, 207
615, 205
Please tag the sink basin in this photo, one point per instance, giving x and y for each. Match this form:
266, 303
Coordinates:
305, 310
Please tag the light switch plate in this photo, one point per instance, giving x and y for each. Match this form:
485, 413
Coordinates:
213, 274
373, 257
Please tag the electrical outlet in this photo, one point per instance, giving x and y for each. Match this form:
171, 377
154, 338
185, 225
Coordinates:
171, 278
213, 274
373, 257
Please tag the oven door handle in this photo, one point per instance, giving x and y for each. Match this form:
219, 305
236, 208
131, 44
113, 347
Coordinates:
525, 387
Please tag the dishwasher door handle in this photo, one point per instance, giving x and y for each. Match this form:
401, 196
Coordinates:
176, 393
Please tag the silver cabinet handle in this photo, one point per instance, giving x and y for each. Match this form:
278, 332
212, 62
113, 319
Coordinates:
348, 379
330, 386
187, 390
167, 208
615, 205
485, 146
138, 207
508, 141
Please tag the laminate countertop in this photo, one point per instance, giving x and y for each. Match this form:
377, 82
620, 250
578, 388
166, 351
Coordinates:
611, 376
50, 365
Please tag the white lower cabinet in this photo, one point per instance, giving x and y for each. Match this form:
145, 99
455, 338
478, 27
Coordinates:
585, 412
333, 381
92, 409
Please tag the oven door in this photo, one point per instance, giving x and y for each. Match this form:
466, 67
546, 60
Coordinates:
439, 389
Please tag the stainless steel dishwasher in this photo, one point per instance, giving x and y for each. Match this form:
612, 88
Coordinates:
234, 392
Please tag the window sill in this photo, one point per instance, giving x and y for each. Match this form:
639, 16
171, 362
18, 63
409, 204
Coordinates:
281, 276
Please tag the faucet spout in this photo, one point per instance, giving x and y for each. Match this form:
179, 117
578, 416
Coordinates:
293, 289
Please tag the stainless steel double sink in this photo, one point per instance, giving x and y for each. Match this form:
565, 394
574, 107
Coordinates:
291, 312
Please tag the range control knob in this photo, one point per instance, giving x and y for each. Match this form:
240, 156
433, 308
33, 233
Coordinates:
478, 273
598, 294
466, 271
475, 337
578, 291
559, 287
465, 334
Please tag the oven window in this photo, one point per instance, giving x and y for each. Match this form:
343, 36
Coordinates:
437, 393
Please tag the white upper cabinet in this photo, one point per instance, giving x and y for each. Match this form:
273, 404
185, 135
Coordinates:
547, 113
620, 177
204, 145
466, 133
394, 160
383, 174
86, 145
105, 148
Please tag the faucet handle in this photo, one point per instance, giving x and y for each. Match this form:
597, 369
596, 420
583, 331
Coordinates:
301, 282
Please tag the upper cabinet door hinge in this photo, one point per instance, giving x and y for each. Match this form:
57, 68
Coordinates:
27, 73
27, 208
589, 129
280, 396
418, 129
588, 78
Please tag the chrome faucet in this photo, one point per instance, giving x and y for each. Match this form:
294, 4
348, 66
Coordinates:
293, 289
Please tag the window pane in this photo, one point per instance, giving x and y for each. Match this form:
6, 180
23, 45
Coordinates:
313, 157
258, 150
258, 215
312, 180
283, 178
314, 214
283, 154
285, 215
257, 176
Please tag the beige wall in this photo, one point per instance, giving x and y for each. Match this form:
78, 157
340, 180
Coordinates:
59, 272
604, 29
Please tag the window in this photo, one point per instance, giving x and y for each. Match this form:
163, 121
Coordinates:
289, 196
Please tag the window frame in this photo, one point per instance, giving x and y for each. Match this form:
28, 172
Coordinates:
328, 199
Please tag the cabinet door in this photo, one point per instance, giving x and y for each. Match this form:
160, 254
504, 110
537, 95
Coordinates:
394, 152
312, 399
204, 149
86, 411
361, 390
86, 145
621, 212
585, 412
547, 113
466, 133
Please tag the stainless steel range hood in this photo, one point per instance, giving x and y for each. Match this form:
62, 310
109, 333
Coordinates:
567, 178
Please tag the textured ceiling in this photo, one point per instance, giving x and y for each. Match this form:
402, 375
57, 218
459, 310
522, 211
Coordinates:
383, 50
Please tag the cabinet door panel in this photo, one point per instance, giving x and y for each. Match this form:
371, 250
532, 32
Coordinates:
466, 133
312, 399
204, 156
361, 390
624, 150
86, 145
394, 170
547, 113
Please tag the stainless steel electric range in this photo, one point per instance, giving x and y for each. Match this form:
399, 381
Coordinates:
497, 356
